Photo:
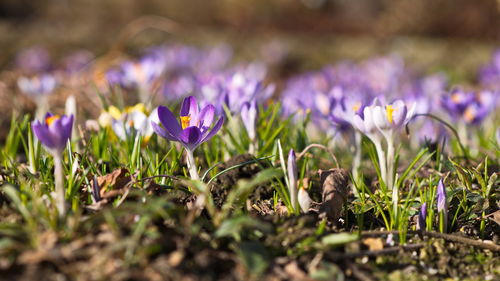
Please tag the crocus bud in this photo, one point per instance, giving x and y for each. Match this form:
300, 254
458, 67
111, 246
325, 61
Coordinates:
249, 117
441, 197
292, 178
421, 225
304, 200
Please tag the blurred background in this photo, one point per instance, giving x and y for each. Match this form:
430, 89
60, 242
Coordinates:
317, 30
292, 36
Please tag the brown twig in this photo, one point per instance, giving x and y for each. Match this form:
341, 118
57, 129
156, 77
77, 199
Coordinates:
448, 237
320, 146
386, 251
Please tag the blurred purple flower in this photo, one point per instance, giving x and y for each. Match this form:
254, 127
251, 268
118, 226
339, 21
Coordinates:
77, 61
113, 77
431, 132
33, 60
179, 86
37, 86
456, 102
489, 75
142, 73
347, 104
194, 128
53, 132
384, 74
240, 89
471, 107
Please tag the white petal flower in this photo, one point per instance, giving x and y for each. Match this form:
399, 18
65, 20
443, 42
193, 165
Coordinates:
304, 200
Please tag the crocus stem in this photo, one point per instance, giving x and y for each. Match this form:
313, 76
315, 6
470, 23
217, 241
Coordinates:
42, 107
193, 171
390, 162
443, 221
462, 133
252, 147
381, 160
356, 161
59, 181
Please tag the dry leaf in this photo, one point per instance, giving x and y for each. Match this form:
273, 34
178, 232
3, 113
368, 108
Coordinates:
335, 190
113, 184
495, 216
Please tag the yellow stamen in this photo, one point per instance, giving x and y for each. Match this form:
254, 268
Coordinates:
114, 112
185, 121
389, 110
356, 106
469, 114
140, 107
456, 98
51, 119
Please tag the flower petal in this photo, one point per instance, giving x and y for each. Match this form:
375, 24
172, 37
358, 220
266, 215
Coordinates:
399, 113
162, 132
205, 118
214, 130
190, 108
191, 137
168, 120
380, 118
42, 134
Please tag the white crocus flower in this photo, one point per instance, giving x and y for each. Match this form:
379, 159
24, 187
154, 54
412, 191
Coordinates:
134, 121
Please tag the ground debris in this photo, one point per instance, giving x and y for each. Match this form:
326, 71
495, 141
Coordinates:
335, 190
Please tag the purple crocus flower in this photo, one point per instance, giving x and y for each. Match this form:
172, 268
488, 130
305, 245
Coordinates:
194, 128
240, 88
441, 197
456, 102
33, 60
421, 224
54, 131
77, 61
141, 74
38, 85
179, 85
471, 107
489, 75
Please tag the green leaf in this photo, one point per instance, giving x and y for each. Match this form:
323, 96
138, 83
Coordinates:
232, 227
339, 238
